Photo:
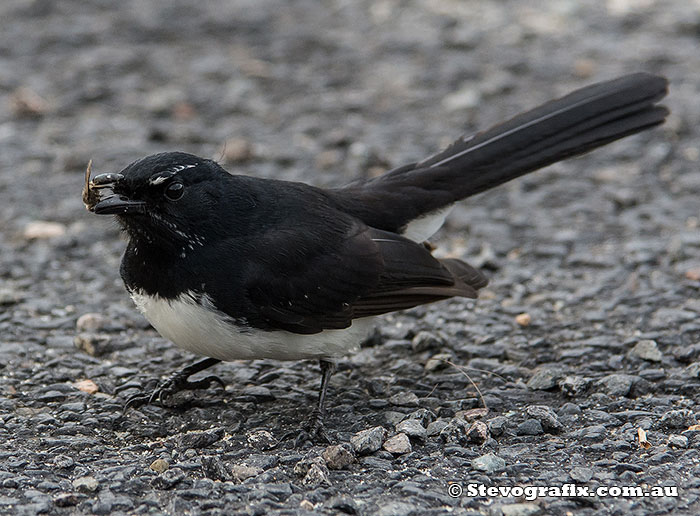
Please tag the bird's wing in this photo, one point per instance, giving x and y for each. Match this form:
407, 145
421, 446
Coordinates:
326, 282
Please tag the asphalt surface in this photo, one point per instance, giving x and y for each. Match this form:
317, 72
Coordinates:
602, 253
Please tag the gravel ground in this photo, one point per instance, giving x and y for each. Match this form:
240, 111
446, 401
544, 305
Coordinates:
602, 253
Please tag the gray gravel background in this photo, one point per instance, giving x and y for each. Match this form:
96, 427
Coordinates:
602, 252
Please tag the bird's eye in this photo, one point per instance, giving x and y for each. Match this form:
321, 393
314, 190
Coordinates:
175, 190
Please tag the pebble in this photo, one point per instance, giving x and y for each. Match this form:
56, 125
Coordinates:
647, 350
198, 440
262, 440
616, 384
404, 399
86, 484
398, 444
523, 319
543, 379
338, 456
581, 474
498, 425
243, 471
91, 323
41, 229
678, 419
520, 509
412, 428
438, 361
436, 427
368, 441
547, 417
424, 340
678, 441
477, 433
529, 427
86, 386
489, 463
159, 465
168, 479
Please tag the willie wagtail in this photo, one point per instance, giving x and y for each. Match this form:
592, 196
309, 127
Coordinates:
235, 267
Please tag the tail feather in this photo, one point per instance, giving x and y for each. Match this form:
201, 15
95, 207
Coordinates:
577, 123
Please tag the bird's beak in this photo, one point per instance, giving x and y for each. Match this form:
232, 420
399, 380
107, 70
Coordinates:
113, 204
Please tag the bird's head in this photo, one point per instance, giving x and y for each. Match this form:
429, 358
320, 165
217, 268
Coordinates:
170, 198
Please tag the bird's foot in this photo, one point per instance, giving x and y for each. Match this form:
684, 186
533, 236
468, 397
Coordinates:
176, 383
313, 431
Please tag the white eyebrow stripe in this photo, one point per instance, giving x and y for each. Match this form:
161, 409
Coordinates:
167, 174
158, 180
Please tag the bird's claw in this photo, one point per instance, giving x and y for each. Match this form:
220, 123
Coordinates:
169, 387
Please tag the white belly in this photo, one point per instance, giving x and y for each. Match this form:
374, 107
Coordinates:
199, 328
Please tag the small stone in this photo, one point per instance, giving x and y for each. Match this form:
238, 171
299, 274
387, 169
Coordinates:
199, 440
436, 427
693, 370
25, 102
520, 509
41, 229
368, 441
693, 274
529, 427
547, 417
465, 98
243, 471
455, 432
678, 441
438, 361
523, 319
66, 499
422, 415
647, 350
616, 384
238, 150
489, 463
86, 484
215, 469
342, 504
678, 419
259, 392
404, 399
93, 344
316, 476
574, 386
159, 465
91, 322
543, 379
168, 479
477, 433
306, 505
412, 428
425, 340
86, 386
670, 318
398, 444
262, 440
473, 414
498, 425
581, 474
338, 456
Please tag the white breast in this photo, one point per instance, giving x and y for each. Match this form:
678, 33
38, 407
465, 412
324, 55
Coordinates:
200, 328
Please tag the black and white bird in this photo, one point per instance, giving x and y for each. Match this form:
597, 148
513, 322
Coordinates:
234, 267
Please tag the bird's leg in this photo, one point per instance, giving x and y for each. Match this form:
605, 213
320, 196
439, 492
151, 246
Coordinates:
177, 382
314, 430
327, 370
